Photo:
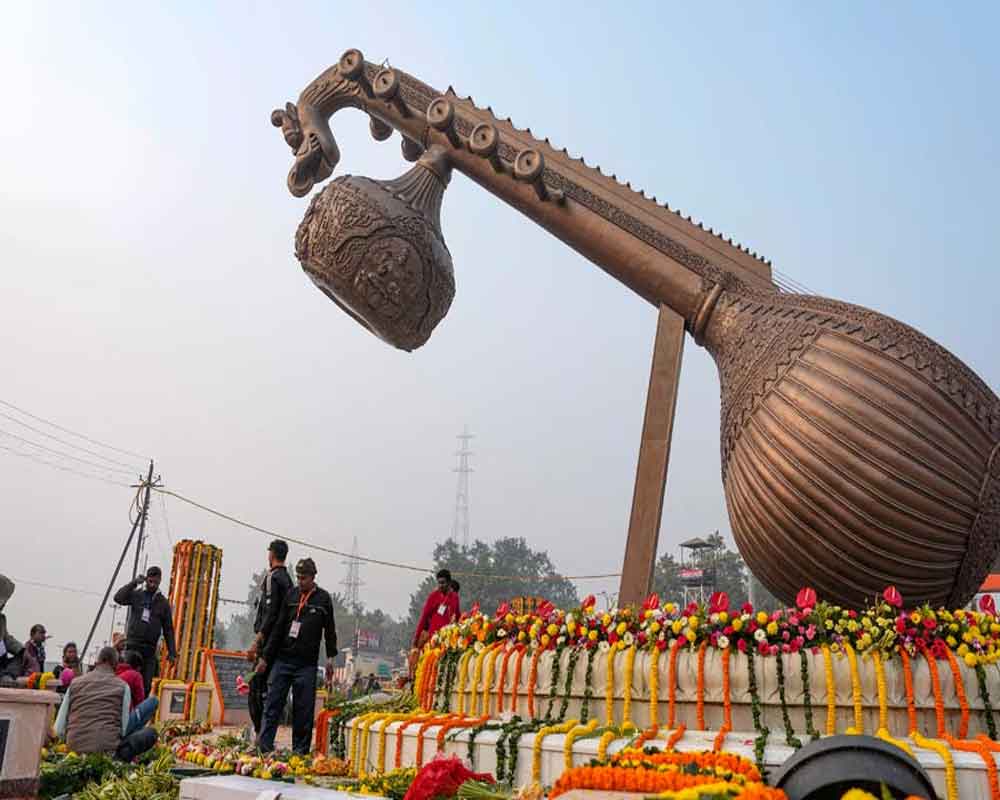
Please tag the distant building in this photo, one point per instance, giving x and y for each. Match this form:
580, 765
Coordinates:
991, 585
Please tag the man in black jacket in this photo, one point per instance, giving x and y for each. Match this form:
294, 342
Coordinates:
292, 651
273, 591
149, 616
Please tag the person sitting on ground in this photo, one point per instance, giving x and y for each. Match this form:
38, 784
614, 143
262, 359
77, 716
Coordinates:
129, 669
71, 658
34, 650
94, 716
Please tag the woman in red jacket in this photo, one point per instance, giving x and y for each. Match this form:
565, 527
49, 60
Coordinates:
440, 609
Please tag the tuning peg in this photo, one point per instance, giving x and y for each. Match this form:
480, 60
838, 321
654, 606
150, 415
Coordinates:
352, 67
441, 117
386, 87
484, 141
380, 130
529, 166
411, 150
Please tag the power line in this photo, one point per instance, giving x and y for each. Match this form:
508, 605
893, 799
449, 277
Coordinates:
379, 562
65, 455
61, 468
70, 431
56, 587
14, 419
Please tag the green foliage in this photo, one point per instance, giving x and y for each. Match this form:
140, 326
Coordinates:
533, 575
69, 773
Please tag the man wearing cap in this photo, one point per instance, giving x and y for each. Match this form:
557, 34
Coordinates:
273, 591
149, 616
292, 653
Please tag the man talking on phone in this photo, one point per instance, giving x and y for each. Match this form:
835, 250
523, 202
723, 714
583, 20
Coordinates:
149, 617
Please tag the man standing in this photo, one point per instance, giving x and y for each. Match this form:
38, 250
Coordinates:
292, 651
34, 650
94, 716
149, 616
440, 609
273, 591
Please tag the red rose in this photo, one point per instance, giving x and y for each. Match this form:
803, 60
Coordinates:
589, 601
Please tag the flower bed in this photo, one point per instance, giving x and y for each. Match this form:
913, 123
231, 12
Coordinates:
239, 761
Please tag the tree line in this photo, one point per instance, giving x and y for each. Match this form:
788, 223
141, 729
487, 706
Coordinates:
491, 573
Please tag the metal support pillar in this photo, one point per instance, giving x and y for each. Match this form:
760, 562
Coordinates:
654, 456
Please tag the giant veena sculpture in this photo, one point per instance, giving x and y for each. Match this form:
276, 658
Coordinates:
856, 452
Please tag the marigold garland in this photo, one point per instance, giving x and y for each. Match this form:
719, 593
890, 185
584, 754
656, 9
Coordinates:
700, 698
398, 756
609, 690
571, 736
950, 782
418, 674
672, 680
361, 748
675, 737
487, 695
629, 676
963, 701
938, 700
727, 705
859, 719
514, 690
985, 753
990, 747
382, 730
463, 678
477, 675
884, 735
831, 692
532, 682
647, 735
883, 705
423, 729
502, 686
654, 688
462, 722
606, 739
911, 708
536, 748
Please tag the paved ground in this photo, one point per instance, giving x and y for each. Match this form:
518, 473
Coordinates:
283, 741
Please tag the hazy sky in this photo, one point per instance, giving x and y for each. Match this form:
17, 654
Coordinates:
150, 297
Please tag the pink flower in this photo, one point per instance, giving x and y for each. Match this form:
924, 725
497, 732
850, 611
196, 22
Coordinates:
806, 598
786, 635
503, 610
987, 605
741, 645
811, 632
746, 608
893, 597
682, 640
719, 601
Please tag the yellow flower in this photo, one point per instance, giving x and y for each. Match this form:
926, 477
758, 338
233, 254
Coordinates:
592, 636
970, 659
545, 640
761, 618
737, 623
676, 626
723, 616
520, 636
772, 628
552, 630
621, 628
690, 634
669, 608
654, 627
694, 622
606, 620
952, 641
915, 617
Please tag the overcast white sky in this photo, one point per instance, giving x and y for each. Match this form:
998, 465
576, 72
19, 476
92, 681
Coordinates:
149, 296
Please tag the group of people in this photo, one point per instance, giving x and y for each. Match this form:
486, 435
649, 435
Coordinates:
290, 623
19, 660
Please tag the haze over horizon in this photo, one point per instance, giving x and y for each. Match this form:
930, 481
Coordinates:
152, 299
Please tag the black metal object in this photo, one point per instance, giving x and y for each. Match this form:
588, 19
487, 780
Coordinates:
826, 768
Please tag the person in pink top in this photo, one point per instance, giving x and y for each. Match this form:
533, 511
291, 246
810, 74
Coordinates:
440, 609
129, 669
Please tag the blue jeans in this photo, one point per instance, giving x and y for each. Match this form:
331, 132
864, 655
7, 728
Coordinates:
141, 714
301, 679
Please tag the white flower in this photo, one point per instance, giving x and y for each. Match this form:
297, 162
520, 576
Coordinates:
628, 638
603, 647
760, 634
478, 647
713, 618
561, 641
501, 633
722, 642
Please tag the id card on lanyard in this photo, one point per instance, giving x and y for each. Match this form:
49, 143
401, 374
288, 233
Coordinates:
293, 631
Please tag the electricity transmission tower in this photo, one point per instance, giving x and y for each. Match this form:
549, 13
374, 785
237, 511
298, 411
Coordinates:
460, 525
352, 588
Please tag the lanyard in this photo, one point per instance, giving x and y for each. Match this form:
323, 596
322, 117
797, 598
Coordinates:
302, 603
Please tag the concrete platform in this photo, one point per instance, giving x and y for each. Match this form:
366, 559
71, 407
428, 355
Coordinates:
237, 787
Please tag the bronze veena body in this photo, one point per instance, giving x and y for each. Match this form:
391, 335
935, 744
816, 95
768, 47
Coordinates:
856, 452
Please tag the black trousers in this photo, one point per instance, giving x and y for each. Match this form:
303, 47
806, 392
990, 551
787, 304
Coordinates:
301, 679
150, 668
136, 744
257, 698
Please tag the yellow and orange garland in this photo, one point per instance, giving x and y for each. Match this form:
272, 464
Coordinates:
831, 692
859, 719
572, 735
609, 689
672, 679
536, 749
627, 723
654, 688
727, 705
532, 682
700, 702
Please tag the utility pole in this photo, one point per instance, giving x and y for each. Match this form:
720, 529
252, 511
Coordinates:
460, 525
352, 585
138, 524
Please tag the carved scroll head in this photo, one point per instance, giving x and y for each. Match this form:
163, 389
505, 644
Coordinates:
309, 136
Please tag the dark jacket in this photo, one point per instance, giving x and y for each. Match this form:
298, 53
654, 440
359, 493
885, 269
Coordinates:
144, 635
274, 589
315, 622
